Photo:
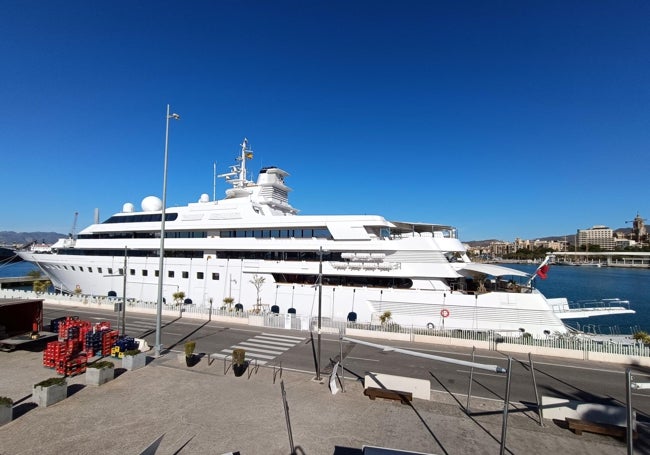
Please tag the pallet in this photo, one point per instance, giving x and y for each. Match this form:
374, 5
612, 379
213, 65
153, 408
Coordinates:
578, 426
388, 394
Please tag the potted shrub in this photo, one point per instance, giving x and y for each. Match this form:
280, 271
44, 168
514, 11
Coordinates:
100, 372
227, 303
189, 352
6, 410
50, 391
238, 361
134, 359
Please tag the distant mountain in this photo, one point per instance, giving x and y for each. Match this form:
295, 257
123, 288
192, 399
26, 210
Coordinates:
22, 238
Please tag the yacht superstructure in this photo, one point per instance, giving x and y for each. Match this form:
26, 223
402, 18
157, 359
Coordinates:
252, 248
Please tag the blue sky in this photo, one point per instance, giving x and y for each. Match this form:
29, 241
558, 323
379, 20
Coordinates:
503, 118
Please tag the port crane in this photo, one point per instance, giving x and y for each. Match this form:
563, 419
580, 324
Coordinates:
73, 229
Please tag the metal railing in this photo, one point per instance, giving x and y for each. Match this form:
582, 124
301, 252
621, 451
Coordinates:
574, 341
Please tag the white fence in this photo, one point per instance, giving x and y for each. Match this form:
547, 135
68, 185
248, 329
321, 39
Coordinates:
577, 346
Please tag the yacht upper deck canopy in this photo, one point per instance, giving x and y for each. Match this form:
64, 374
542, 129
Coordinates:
488, 269
402, 227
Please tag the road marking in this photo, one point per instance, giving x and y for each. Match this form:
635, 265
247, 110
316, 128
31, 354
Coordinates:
268, 346
252, 354
254, 347
273, 343
505, 359
289, 337
361, 358
482, 374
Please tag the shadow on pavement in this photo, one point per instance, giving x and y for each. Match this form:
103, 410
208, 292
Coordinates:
23, 409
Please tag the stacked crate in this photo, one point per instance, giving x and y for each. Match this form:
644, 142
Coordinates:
108, 340
54, 324
122, 345
66, 355
55, 352
73, 329
94, 340
93, 343
79, 340
73, 365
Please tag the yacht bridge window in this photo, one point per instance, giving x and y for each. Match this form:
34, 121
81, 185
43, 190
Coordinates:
141, 217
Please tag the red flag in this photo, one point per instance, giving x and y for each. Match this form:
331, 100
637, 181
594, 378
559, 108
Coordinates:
542, 271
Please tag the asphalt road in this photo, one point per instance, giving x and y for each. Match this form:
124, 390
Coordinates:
570, 379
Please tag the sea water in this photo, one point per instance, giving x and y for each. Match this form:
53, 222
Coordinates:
16, 269
586, 283
577, 284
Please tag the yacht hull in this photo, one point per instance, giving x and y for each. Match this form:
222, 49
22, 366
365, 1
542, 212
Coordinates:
212, 280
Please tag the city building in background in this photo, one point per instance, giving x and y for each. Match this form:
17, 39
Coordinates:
597, 235
604, 237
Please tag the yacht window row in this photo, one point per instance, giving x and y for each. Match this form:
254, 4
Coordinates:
145, 235
302, 233
198, 254
344, 280
280, 278
299, 233
110, 271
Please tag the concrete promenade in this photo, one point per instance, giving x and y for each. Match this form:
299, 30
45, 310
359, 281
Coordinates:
173, 409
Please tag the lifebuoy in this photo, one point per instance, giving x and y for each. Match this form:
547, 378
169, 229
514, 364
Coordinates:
444, 312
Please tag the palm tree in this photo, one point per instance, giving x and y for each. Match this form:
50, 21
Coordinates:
41, 286
386, 317
258, 282
178, 297
228, 301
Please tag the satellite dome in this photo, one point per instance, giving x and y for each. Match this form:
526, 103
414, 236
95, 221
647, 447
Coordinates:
128, 208
151, 204
204, 198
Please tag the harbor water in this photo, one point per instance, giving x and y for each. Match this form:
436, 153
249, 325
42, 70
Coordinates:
576, 283
588, 283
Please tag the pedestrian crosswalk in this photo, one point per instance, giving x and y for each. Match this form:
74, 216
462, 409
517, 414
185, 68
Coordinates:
263, 348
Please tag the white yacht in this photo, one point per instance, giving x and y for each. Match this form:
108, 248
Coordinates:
252, 248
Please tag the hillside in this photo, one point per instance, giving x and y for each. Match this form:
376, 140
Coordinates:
22, 238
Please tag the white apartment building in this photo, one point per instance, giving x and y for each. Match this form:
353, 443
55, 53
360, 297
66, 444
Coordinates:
597, 235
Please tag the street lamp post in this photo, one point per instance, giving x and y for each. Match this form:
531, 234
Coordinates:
124, 296
320, 305
158, 346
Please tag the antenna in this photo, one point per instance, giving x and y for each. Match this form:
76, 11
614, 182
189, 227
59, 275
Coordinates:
214, 181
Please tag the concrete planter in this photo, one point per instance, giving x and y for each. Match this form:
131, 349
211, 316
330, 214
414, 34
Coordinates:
45, 396
133, 362
99, 376
6, 413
